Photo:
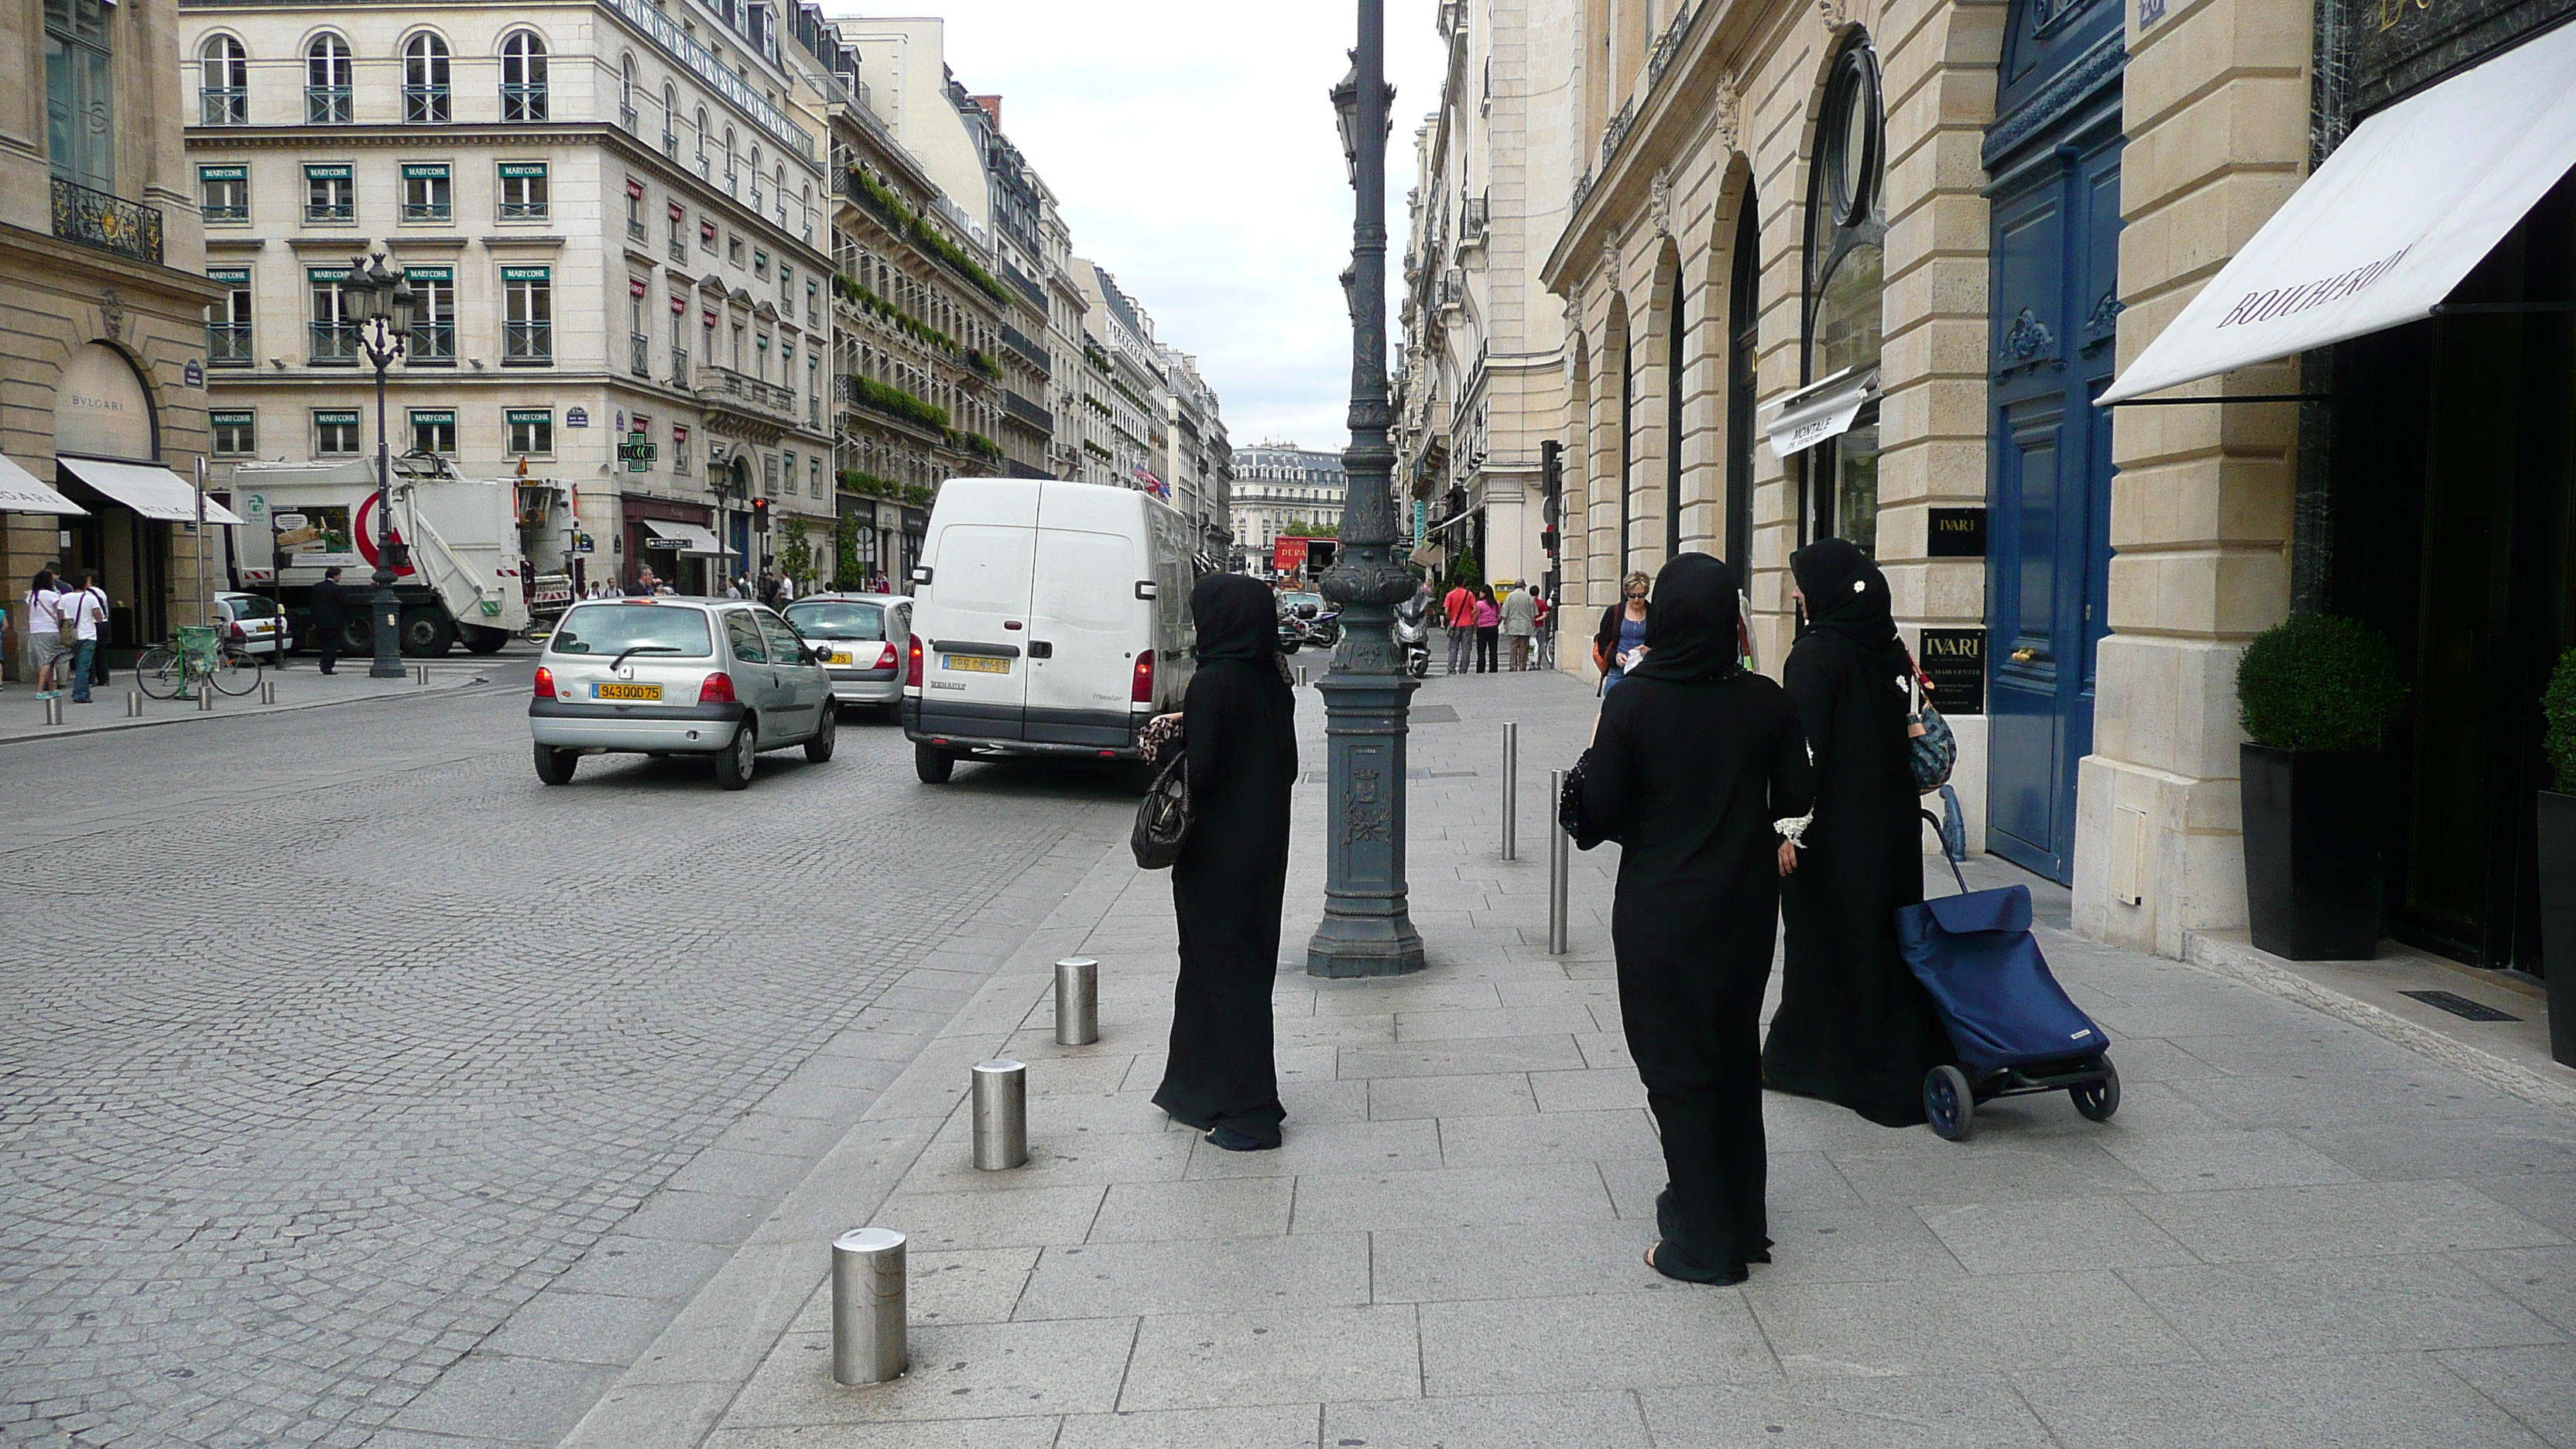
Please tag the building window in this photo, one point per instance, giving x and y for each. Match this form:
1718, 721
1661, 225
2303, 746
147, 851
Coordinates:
635, 210
330, 193
670, 122
335, 434
327, 96
813, 304
759, 263
814, 477
530, 432
626, 93
702, 141
679, 448
223, 83
786, 289
334, 341
425, 191
679, 242
639, 325
433, 325
679, 342
707, 237
425, 80
236, 433
1845, 286
228, 337
80, 92
433, 430
528, 316
733, 248
523, 190
523, 77
223, 194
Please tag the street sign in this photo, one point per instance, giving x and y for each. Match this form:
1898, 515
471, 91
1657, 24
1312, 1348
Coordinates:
663, 545
576, 417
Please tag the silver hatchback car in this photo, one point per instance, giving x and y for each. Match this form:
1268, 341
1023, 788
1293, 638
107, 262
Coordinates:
861, 638
662, 676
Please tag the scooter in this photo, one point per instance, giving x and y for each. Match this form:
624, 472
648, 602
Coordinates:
1415, 640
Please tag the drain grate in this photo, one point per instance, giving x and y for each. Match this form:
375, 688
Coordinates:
2458, 1005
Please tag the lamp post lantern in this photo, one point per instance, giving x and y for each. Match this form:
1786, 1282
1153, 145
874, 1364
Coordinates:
1367, 928
382, 300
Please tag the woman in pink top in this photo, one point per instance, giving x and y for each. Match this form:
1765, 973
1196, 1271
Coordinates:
1489, 626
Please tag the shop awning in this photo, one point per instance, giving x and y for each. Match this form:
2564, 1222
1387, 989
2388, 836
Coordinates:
20, 492
691, 538
2413, 199
1820, 410
149, 489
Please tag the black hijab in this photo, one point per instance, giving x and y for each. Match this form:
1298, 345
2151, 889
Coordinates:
1691, 634
1235, 619
1847, 595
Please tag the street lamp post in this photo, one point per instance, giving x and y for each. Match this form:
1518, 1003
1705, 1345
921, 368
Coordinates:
383, 301
1367, 928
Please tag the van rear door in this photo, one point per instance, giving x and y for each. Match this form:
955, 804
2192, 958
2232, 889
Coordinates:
974, 621
1086, 626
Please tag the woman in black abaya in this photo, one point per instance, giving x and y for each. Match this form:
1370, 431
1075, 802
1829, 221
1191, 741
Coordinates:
1853, 1025
1694, 760
1239, 720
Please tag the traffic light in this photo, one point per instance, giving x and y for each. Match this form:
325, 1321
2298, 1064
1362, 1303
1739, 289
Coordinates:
760, 515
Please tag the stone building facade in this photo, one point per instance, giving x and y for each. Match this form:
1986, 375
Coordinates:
1283, 491
101, 300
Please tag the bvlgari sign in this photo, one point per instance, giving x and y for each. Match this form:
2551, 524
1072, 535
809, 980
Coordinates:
100, 410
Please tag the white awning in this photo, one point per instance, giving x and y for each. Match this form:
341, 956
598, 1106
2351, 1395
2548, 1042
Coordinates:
1820, 410
2413, 199
147, 488
20, 492
691, 538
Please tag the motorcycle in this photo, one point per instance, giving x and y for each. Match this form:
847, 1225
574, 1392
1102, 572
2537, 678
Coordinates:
1292, 633
1415, 639
1325, 630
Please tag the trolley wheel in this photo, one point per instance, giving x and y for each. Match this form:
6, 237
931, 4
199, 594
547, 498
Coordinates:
933, 766
555, 766
1949, 1103
2098, 1100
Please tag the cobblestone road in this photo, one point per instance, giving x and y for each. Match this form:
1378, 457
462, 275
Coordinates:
331, 1039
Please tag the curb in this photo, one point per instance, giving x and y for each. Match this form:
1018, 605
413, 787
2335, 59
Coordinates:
69, 731
2240, 962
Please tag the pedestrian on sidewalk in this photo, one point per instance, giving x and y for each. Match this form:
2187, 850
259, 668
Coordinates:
45, 651
330, 615
1240, 731
1520, 621
1623, 631
1459, 609
1489, 621
1853, 1025
1690, 771
84, 609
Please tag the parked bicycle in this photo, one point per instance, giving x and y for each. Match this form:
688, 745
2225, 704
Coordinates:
200, 654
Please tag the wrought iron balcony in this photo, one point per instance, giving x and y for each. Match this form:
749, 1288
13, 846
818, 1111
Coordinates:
424, 211
523, 103
679, 249
640, 355
626, 118
1029, 412
425, 105
679, 367
527, 344
223, 106
328, 106
635, 231
1030, 353
333, 344
1474, 218
228, 344
330, 211
723, 387
431, 342
671, 143
110, 223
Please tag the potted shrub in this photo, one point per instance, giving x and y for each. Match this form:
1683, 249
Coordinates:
2317, 695
2558, 858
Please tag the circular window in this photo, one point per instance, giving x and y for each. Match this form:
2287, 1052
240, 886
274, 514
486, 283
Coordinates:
1852, 134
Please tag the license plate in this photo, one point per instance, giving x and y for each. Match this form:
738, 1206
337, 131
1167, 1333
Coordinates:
975, 663
836, 657
626, 691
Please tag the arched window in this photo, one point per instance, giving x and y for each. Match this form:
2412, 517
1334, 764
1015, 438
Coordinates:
778, 190
1744, 309
808, 210
1845, 286
523, 77
223, 83
326, 81
755, 177
702, 141
670, 121
626, 92
425, 80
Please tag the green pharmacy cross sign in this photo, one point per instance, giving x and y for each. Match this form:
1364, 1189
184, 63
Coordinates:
637, 455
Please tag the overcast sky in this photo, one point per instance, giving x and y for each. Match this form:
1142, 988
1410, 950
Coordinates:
1193, 147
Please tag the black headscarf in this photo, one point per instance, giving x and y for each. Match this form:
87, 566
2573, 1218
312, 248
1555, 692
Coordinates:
1235, 619
1691, 635
1847, 595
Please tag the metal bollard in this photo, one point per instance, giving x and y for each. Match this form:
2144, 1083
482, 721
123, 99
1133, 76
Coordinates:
206, 699
268, 691
1077, 1001
134, 704
1511, 791
868, 1343
1001, 1115
1301, 676
1560, 853
420, 674
53, 711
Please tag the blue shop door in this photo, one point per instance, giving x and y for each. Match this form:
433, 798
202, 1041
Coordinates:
2055, 296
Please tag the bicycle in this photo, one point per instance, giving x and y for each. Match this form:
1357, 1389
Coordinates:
168, 671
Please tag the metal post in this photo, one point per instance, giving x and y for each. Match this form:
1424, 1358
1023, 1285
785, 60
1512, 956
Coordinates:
134, 704
1077, 1001
206, 698
53, 711
1001, 1115
1511, 792
868, 1342
420, 674
268, 691
1560, 854
1301, 676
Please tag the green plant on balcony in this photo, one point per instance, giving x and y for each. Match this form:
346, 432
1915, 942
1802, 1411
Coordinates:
1099, 360
917, 226
895, 402
975, 443
1095, 450
977, 359
870, 485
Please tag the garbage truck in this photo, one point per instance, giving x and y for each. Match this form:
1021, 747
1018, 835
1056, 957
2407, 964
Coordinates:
461, 571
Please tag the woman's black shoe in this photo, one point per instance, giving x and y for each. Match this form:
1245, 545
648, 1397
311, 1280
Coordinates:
1668, 1260
1233, 1141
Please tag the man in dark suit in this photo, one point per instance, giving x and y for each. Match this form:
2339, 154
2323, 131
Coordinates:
330, 615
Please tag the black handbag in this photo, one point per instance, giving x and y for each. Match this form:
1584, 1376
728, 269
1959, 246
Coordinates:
1163, 816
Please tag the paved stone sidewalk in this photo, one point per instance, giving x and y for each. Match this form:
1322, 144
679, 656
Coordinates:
22, 714
2294, 1232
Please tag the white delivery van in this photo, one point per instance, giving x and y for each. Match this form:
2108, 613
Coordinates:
1049, 619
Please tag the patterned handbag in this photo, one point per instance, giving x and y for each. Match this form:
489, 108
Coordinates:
1932, 749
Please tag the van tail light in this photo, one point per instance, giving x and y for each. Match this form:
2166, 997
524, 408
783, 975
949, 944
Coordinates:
545, 683
1143, 693
885, 660
717, 690
912, 671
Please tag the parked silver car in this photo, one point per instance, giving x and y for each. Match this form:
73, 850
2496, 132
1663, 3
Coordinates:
861, 639
664, 676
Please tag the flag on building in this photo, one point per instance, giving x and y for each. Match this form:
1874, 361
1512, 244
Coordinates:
1153, 485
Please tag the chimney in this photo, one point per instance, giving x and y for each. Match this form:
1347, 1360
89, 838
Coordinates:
992, 107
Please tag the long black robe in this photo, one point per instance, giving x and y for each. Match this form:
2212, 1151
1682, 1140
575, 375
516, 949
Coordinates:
1240, 719
1688, 773
1854, 1026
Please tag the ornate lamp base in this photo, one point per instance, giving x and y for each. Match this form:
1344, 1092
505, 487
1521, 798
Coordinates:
1366, 930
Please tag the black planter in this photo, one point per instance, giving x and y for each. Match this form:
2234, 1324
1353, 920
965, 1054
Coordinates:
2558, 919
2312, 835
